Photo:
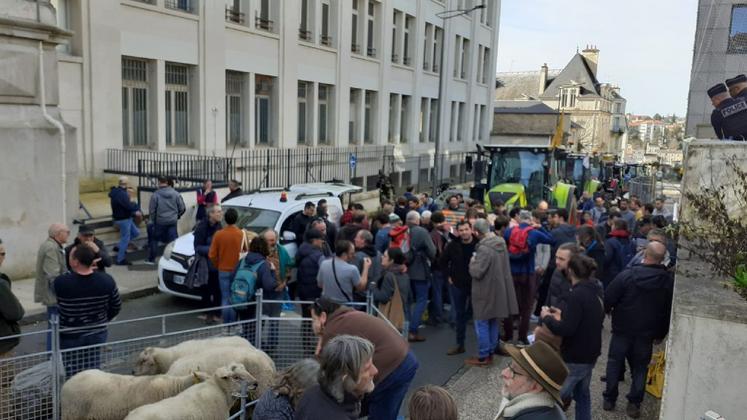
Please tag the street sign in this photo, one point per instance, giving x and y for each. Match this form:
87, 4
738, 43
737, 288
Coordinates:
353, 161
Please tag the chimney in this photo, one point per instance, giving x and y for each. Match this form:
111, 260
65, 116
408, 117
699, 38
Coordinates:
543, 79
591, 54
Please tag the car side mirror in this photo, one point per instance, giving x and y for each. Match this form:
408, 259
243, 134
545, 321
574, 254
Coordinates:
289, 236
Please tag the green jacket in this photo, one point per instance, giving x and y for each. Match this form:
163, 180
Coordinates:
286, 262
11, 312
50, 263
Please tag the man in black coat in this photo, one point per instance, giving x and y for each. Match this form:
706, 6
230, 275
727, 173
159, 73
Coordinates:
455, 260
234, 188
86, 234
11, 311
302, 220
640, 299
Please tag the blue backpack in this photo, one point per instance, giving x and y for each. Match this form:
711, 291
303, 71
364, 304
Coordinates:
244, 282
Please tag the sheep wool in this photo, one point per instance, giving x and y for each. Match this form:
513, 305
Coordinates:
154, 360
210, 400
94, 394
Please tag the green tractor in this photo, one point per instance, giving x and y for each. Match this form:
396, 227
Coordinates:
580, 170
522, 176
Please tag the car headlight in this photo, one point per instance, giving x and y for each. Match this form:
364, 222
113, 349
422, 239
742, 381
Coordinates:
167, 251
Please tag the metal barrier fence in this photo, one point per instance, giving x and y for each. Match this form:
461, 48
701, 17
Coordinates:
285, 336
644, 188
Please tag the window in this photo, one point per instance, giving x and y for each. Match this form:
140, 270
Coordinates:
325, 38
458, 56
134, 102
438, 37
479, 63
303, 30
353, 122
262, 108
393, 102
262, 19
424, 109
409, 24
63, 21
404, 112
427, 50
433, 121
370, 117
454, 118
489, 13
325, 114
183, 5
483, 121
738, 30
355, 47
302, 110
395, 38
461, 118
233, 12
568, 97
476, 125
177, 105
465, 59
485, 65
371, 40
234, 89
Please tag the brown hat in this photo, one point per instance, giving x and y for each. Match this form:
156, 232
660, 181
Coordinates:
543, 364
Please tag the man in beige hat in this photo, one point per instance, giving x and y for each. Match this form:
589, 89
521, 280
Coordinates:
531, 383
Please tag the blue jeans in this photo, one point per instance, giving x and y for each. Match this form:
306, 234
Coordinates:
51, 310
638, 352
83, 359
436, 307
386, 399
459, 302
421, 302
576, 385
228, 314
159, 233
127, 233
487, 336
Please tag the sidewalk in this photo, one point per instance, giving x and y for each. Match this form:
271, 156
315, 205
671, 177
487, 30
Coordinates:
140, 281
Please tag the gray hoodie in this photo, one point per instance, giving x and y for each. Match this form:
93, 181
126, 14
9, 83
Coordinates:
166, 206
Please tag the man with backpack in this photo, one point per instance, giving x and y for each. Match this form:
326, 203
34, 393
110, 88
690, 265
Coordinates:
422, 251
522, 243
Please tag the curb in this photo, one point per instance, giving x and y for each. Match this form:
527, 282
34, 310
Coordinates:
41, 315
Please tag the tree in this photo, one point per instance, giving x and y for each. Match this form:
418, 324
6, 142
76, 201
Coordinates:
657, 116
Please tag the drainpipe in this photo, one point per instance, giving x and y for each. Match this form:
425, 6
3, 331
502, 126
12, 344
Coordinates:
60, 128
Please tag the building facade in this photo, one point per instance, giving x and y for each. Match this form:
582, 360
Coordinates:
210, 76
720, 53
596, 110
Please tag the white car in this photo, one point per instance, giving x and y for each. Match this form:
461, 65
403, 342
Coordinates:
257, 212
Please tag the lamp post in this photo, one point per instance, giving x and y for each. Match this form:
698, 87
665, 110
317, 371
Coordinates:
447, 14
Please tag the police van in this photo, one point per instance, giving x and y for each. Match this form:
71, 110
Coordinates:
267, 208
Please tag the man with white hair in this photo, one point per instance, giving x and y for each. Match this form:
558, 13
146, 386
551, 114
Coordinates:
493, 295
419, 269
522, 243
346, 373
50, 263
123, 210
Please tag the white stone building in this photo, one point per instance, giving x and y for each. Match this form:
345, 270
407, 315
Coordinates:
198, 76
720, 53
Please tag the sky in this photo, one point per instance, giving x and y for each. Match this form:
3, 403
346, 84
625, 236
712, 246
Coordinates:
645, 46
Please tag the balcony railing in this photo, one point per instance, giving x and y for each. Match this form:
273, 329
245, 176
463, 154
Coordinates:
406, 61
304, 34
435, 68
371, 52
355, 48
183, 5
262, 23
395, 58
233, 15
325, 40
426, 66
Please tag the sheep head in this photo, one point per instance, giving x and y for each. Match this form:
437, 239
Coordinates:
199, 376
230, 378
146, 362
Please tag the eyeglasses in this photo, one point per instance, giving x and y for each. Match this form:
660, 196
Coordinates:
513, 371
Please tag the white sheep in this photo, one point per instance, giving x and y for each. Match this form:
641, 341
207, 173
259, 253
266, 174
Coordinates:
210, 400
256, 362
94, 394
154, 360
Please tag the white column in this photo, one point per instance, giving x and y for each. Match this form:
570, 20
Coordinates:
158, 114
312, 111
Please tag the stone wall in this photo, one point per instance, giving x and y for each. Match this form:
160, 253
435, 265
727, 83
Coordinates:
706, 357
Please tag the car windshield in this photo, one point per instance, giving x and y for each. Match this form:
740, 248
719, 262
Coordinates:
523, 167
254, 219
576, 172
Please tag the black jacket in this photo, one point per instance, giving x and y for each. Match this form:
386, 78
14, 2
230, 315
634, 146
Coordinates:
318, 405
580, 324
299, 224
122, 207
203, 238
559, 291
106, 259
596, 251
640, 299
456, 264
308, 259
233, 194
11, 312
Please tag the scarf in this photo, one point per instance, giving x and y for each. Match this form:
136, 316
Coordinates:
510, 408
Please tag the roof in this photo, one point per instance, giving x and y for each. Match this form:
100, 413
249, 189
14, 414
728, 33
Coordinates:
522, 107
520, 85
576, 72
271, 199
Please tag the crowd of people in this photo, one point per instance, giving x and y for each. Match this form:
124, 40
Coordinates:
536, 286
